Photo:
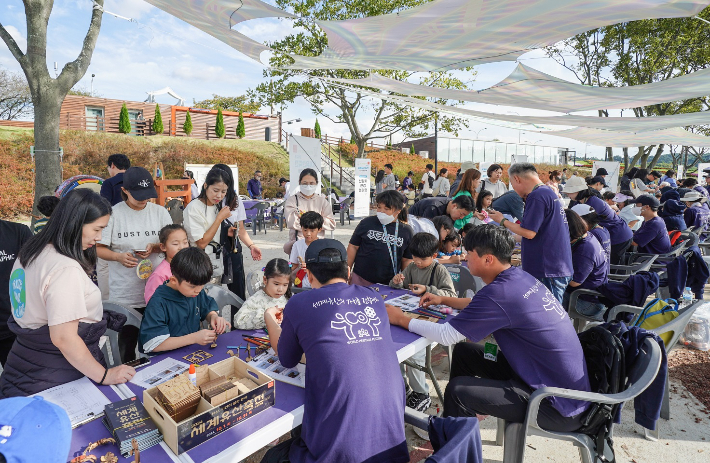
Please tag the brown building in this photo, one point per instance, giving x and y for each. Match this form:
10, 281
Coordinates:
102, 114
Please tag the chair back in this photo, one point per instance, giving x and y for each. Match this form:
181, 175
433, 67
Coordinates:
110, 349
225, 300
465, 284
254, 281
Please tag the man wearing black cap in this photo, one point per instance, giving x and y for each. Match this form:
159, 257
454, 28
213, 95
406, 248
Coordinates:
286, 185
354, 405
652, 237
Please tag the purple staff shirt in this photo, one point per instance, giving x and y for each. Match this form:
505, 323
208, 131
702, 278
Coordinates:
652, 237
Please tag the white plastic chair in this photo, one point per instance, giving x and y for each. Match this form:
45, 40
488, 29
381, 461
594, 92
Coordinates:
225, 300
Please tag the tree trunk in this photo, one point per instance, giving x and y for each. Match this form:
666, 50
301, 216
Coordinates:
609, 153
657, 156
637, 157
626, 159
48, 170
361, 143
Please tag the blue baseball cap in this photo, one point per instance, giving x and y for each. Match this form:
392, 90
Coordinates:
33, 430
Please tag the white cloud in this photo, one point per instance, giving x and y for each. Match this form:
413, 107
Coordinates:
134, 9
19, 38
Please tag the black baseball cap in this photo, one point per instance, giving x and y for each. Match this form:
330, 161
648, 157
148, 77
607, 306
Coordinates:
597, 179
282, 180
139, 183
648, 200
315, 248
602, 171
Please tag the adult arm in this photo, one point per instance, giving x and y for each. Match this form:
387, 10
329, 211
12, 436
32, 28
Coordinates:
352, 252
209, 234
107, 191
124, 258
292, 213
326, 210
246, 239
512, 226
441, 333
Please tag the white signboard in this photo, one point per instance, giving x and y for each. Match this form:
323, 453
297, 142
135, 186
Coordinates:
612, 180
303, 153
483, 167
701, 175
681, 172
199, 171
363, 167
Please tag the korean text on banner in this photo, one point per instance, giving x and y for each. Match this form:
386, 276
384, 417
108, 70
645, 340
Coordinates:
362, 188
612, 180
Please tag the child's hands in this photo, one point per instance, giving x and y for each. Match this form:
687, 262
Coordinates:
219, 324
417, 289
398, 279
277, 313
204, 337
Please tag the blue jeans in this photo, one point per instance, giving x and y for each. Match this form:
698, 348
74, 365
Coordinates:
591, 309
557, 286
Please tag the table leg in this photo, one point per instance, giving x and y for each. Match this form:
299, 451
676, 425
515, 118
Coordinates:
427, 368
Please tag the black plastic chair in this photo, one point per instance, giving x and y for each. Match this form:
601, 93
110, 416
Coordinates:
259, 220
345, 211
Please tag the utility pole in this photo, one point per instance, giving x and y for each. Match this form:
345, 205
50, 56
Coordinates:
436, 143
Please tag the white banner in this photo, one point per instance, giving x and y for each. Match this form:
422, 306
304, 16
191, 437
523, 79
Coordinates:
199, 172
362, 187
612, 180
303, 153
701, 175
483, 167
680, 172
518, 158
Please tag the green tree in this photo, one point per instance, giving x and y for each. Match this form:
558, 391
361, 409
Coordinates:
219, 125
241, 130
124, 121
187, 125
158, 120
49, 92
637, 53
283, 85
237, 104
411, 149
316, 129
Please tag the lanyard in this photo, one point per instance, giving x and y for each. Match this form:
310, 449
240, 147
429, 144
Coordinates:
538, 186
393, 255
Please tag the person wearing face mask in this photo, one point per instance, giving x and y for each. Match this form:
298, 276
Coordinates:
131, 245
308, 198
379, 247
254, 189
554, 182
652, 236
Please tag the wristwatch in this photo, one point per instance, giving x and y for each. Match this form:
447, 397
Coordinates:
502, 222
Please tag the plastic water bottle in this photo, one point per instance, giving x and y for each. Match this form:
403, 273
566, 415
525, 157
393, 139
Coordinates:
687, 296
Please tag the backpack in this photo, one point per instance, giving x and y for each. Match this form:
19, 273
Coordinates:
436, 188
606, 369
431, 179
657, 313
673, 236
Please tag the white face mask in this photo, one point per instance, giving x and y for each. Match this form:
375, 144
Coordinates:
308, 189
636, 210
385, 219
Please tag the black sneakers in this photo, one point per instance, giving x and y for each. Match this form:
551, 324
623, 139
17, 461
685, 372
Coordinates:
417, 401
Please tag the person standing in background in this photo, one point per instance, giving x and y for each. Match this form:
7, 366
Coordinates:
389, 181
111, 188
380, 182
493, 183
254, 189
407, 181
194, 191
286, 185
441, 183
427, 182
12, 237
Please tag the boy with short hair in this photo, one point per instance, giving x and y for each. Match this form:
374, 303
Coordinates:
359, 416
174, 312
311, 225
45, 206
423, 275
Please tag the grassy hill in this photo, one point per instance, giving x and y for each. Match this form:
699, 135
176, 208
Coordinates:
86, 153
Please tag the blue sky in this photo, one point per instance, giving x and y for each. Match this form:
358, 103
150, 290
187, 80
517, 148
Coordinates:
159, 50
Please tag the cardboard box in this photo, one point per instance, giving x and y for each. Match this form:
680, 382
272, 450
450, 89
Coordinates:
208, 420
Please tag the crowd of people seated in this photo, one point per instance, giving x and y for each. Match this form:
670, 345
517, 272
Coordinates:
118, 246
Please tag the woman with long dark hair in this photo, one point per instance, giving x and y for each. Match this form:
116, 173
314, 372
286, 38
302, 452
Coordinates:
441, 183
469, 186
57, 314
379, 182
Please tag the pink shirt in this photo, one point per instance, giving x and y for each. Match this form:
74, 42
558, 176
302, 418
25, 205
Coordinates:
160, 275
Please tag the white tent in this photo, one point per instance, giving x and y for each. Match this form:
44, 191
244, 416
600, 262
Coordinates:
675, 136
526, 87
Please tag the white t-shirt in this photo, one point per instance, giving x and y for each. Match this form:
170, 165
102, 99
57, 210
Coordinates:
53, 290
299, 250
498, 188
628, 215
129, 230
238, 214
427, 190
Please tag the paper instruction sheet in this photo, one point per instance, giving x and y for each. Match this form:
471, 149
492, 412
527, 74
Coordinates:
81, 399
268, 363
158, 373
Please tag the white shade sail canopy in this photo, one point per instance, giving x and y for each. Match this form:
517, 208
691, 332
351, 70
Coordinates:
526, 87
622, 124
675, 136
216, 17
450, 34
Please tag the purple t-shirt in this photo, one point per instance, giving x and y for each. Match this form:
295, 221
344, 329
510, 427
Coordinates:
534, 332
697, 216
602, 234
546, 255
591, 265
354, 405
652, 237
618, 230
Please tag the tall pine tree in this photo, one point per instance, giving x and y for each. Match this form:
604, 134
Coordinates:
241, 130
316, 129
158, 120
219, 125
124, 121
411, 149
187, 125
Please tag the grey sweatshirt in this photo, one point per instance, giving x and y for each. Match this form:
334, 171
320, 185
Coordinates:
441, 284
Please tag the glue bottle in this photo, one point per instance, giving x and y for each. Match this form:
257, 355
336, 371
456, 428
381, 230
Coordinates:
192, 374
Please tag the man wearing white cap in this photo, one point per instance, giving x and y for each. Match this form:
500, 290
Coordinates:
697, 214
